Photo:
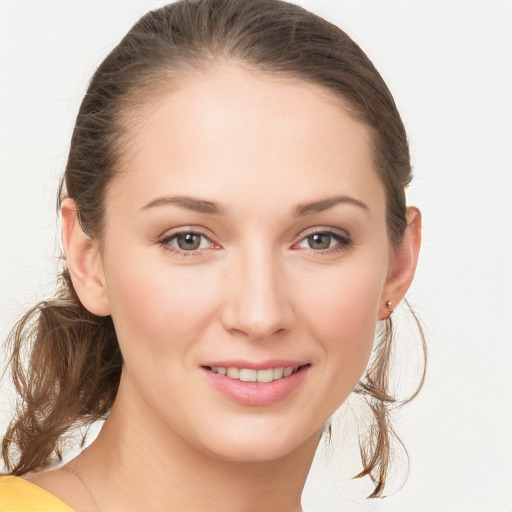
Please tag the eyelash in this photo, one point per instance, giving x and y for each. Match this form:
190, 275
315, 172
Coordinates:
165, 242
343, 242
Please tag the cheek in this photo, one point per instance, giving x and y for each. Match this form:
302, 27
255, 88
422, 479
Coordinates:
159, 308
343, 300
341, 311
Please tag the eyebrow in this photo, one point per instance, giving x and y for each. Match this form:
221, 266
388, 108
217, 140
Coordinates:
215, 208
324, 204
189, 203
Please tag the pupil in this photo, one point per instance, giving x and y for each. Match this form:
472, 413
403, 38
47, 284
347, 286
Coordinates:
319, 241
189, 241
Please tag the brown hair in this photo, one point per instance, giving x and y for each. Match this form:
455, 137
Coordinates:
74, 362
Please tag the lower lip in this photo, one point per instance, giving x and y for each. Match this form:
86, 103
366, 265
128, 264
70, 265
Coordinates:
257, 393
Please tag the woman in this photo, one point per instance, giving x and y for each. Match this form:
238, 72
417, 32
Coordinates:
235, 229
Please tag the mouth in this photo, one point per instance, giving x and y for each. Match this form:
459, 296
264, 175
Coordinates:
263, 375
256, 384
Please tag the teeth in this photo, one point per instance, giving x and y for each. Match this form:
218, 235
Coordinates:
234, 373
265, 375
251, 375
278, 373
248, 375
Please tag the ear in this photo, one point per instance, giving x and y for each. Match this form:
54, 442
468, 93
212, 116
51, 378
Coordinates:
403, 265
84, 262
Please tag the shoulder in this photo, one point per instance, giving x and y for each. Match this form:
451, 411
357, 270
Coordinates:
19, 495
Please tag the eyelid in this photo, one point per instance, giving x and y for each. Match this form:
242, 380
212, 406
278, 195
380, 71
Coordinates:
323, 229
198, 230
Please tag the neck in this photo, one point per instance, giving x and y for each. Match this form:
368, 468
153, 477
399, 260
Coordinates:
137, 463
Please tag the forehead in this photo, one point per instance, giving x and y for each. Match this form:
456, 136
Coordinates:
282, 138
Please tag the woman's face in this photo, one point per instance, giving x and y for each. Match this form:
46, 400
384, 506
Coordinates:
245, 235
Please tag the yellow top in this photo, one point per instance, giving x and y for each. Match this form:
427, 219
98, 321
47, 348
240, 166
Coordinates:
20, 495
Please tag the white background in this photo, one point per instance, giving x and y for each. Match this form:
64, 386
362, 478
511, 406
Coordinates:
448, 64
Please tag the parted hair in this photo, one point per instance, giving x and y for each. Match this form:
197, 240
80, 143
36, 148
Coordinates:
65, 362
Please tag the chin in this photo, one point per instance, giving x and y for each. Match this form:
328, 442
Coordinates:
254, 444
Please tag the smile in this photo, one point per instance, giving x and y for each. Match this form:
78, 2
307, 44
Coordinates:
268, 383
252, 375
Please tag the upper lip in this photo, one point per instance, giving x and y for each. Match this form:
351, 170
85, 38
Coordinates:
255, 365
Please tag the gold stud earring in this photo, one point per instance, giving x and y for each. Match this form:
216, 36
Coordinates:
389, 304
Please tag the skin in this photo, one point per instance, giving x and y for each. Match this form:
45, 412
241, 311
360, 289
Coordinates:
261, 148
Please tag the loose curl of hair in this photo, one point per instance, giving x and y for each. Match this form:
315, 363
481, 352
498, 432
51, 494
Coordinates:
65, 361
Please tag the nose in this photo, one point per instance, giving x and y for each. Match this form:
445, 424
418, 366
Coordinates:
258, 301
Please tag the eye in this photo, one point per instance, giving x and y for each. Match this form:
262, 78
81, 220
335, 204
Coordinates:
186, 242
189, 241
323, 241
320, 241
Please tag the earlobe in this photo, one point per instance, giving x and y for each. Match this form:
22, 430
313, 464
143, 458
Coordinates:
403, 265
84, 262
